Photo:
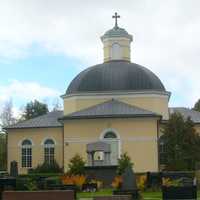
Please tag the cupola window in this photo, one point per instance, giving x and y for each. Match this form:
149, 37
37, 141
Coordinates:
116, 52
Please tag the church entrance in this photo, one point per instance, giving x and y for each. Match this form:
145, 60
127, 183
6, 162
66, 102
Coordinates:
104, 152
111, 138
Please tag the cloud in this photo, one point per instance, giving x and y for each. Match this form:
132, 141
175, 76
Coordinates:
166, 35
23, 92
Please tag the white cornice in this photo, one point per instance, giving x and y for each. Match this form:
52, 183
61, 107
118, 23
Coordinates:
160, 94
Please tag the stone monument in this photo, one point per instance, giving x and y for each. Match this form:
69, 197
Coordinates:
128, 186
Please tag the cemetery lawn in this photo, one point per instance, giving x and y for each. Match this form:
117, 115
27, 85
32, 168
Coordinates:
108, 192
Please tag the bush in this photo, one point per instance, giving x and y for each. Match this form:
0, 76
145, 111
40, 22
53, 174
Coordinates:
76, 165
123, 163
47, 168
26, 183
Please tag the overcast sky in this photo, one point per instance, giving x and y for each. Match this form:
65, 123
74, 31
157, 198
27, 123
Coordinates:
45, 43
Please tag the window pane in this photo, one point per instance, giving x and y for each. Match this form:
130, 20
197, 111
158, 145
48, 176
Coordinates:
49, 154
26, 154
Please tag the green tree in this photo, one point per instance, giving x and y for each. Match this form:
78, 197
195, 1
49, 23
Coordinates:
34, 109
123, 162
197, 106
76, 165
182, 143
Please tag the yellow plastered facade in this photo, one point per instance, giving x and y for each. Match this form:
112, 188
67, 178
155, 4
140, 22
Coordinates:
37, 136
138, 137
157, 103
125, 47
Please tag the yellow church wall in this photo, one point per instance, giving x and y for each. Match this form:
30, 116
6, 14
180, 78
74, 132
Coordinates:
154, 104
37, 136
137, 137
157, 104
125, 46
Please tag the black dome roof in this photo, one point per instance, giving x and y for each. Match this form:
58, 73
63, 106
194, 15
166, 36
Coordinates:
115, 76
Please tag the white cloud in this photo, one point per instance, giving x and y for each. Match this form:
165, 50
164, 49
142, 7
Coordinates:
23, 92
166, 35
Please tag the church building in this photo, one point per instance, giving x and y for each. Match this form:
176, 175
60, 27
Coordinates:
109, 109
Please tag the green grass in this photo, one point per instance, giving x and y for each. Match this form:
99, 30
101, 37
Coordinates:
108, 192
104, 192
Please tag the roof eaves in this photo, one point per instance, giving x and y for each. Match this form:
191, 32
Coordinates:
32, 127
109, 116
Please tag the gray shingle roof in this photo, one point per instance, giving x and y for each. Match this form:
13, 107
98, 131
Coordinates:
48, 120
186, 112
115, 76
111, 109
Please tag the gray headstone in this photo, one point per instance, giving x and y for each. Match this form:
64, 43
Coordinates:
13, 169
129, 180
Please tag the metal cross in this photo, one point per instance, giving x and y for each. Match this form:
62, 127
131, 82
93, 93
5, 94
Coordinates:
116, 16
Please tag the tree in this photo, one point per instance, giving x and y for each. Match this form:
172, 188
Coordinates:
34, 109
197, 106
6, 116
123, 162
182, 143
76, 165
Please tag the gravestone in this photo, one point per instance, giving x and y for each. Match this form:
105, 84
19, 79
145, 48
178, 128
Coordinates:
129, 180
14, 169
128, 186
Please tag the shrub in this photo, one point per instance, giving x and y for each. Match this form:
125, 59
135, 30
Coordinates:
26, 183
123, 163
31, 185
76, 165
47, 168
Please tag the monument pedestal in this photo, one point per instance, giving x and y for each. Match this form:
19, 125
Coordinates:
133, 193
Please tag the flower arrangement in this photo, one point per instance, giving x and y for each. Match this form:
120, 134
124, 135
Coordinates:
141, 181
77, 180
117, 182
169, 182
99, 183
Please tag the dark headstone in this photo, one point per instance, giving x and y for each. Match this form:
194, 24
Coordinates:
172, 192
129, 186
14, 169
128, 180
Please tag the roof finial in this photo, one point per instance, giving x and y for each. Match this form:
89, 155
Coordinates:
116, 16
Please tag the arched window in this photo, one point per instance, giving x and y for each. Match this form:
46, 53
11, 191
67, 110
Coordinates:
49, 151
116, 52
110, 135
27, 153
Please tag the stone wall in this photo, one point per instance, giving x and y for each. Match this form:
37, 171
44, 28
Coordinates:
38, 195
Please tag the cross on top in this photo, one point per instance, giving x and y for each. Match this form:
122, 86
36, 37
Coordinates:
116, 16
